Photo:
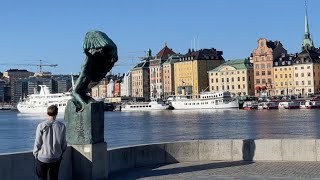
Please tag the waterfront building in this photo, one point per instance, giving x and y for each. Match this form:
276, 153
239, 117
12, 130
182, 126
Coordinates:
141, 78
235, 76
117, 88
168, 75
126, 88
100, 90
263, 58
156, 72
283, 75
17, 73
13, 75
110, 88
307, 65
191, 71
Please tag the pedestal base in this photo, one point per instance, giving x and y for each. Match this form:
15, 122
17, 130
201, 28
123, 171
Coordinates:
90, 161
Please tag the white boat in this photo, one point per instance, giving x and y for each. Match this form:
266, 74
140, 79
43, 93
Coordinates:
289, 105
145, 106
248, 105
206, 100
38, 103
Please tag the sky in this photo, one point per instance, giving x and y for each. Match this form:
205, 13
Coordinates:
53, 31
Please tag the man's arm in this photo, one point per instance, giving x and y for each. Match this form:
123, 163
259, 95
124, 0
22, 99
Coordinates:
37, 142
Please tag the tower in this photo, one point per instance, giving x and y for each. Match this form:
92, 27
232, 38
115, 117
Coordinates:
307, 41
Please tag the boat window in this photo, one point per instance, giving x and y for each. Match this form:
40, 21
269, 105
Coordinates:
149, 105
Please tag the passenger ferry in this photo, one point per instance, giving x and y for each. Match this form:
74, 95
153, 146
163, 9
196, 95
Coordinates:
309, 104
38, 103
155, 104
206, 100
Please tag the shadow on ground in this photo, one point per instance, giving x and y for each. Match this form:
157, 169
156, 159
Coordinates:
155, 170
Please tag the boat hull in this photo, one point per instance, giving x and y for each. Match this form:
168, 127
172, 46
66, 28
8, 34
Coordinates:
203, 104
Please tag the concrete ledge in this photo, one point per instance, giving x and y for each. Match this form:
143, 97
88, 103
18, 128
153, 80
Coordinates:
17, 166
21, 165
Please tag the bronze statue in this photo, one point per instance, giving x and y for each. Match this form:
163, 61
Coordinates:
101, 54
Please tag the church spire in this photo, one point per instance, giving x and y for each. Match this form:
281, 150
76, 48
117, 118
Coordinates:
307, 41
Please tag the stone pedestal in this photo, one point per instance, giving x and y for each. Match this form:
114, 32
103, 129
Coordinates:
87, 126
90, 161
85, 133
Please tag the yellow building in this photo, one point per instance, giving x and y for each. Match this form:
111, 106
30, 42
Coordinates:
235, 76
190, 71
283, 75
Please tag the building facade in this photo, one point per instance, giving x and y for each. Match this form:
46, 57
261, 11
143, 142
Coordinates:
283, 75
235, 76
263, 58
168, 75
156, 72
126, 88
141, 78
191, 71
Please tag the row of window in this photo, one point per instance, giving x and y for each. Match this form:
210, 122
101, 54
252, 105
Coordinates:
232, 79
227, 73
263, 66
263, 73
227, 87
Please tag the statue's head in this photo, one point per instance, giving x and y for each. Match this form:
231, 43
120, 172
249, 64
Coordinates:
98, 44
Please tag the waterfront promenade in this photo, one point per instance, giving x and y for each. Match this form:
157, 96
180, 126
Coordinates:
241, 170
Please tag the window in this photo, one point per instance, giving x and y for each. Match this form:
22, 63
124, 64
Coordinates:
297, 83
257, 66
217, 80
280, 75
302, 74
269, 72
222, 80
263, 73
257, 73
289, 75
263, 66
232, 79
309, 74
243, 78
296, 74
309, 82
238, 78
302, 83
257, 81
276, 76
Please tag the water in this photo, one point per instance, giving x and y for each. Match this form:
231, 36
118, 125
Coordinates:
17, 130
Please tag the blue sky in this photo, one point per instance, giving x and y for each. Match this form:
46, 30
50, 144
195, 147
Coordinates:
54, 30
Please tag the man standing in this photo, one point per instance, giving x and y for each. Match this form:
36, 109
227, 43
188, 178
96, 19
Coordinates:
49, 145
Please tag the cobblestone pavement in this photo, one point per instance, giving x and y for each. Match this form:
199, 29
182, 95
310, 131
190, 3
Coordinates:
225, 170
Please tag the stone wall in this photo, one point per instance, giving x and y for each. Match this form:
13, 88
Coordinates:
17, 166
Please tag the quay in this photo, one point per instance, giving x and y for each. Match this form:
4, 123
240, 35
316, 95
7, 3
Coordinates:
196, 159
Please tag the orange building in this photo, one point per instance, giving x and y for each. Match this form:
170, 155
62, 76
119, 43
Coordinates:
263, 58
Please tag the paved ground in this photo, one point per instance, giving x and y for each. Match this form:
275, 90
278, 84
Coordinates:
224, 171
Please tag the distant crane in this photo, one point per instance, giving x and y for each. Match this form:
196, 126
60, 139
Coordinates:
40, 65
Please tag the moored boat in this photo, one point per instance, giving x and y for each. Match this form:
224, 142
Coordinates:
289, 105
145, 106
207, 100
38, 103
248, 105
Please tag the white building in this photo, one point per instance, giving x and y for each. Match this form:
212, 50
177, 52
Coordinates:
110, 88
126, 86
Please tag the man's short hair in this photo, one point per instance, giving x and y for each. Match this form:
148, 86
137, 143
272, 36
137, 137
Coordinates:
52, 110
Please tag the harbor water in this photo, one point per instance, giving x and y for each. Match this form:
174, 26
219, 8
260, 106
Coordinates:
17, 130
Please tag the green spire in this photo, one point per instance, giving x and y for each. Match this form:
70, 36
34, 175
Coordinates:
307, 41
